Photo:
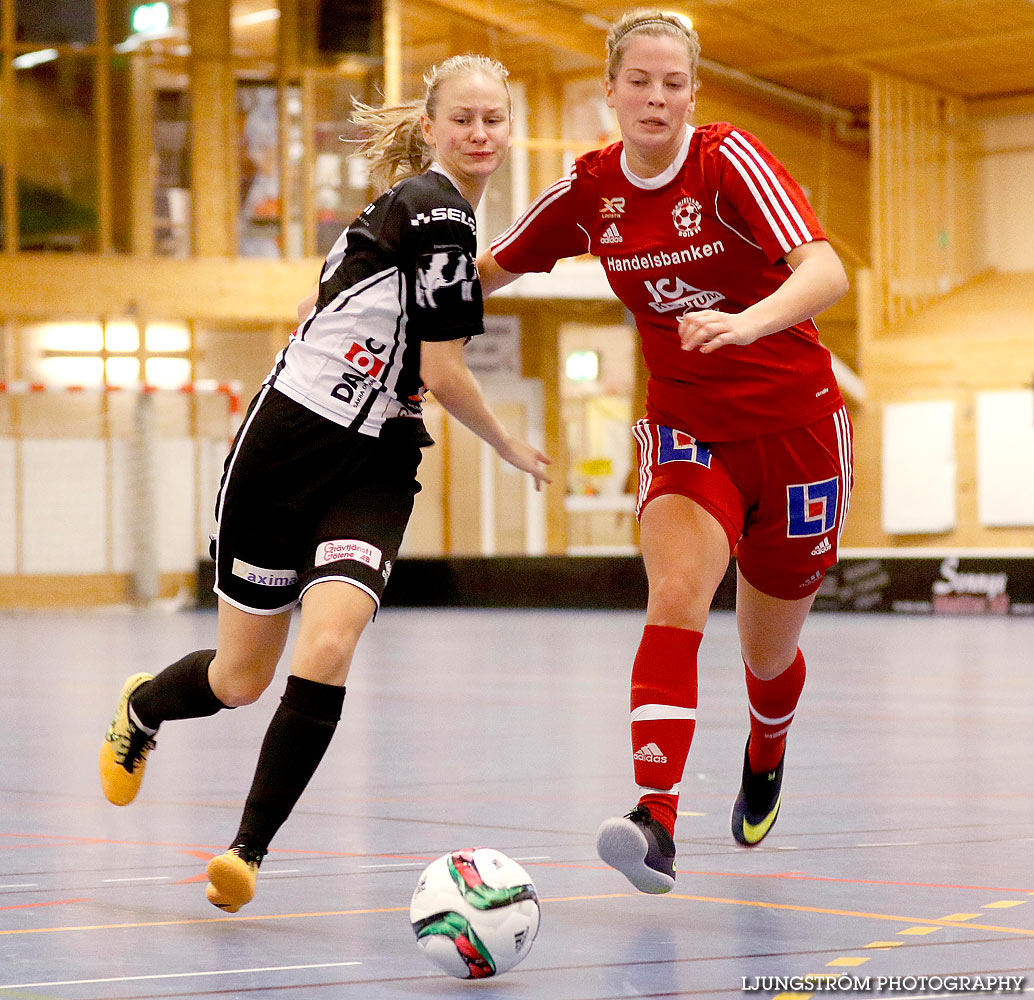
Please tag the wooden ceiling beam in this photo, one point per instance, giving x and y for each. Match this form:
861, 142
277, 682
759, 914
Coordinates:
890, 52
535, 21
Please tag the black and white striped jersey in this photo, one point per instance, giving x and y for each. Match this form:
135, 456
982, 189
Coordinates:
402, 273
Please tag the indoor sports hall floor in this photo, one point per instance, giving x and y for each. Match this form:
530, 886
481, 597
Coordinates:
905, 846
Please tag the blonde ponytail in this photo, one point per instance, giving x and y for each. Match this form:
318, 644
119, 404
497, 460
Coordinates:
394, 142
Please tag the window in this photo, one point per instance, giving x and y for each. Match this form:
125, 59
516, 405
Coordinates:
68, 22
258, 218
57, 162
90, 353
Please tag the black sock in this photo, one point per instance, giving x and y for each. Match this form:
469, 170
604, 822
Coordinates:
180, 691
296, 740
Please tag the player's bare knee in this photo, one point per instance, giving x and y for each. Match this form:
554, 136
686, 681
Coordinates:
242, 692
767, 662
677, 599
325, 654
239, 684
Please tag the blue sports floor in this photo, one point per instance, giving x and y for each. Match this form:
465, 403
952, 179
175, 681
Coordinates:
905, 845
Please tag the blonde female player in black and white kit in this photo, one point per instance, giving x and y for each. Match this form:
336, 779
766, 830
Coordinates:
319, 484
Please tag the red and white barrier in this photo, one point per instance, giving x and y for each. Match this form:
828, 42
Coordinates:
200, 387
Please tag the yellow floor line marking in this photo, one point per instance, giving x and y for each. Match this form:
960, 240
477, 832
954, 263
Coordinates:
961, 916
1004, 904
268, 916
884, 944
204, 920
848, 960
930, 925
681, 813
793, 996
933, 924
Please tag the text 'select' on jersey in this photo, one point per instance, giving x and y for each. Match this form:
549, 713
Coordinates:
403, 272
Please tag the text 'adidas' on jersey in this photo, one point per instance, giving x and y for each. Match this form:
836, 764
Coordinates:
403, 272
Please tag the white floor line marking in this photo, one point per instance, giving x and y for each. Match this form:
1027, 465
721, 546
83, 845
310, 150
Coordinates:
280, 871
21, 885
403, 864
891, 843
544, 857
177, 975
149, 878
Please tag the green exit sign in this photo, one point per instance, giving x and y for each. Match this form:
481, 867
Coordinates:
150, 17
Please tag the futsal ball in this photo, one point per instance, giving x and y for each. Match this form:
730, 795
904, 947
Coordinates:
475, 913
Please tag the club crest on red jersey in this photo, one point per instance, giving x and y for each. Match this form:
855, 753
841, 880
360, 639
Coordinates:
686, 216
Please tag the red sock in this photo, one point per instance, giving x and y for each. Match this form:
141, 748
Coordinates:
772, 705
664, 701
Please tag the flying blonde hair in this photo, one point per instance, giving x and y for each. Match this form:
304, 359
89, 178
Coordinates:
393, 141
657, 23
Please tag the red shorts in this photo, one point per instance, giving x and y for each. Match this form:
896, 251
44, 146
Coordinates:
781, 498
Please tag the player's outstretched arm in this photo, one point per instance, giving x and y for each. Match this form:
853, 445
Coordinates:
493, 277
818, 280
446, 375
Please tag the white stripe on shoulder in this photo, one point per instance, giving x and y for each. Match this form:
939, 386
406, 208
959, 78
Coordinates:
762, 203
782, 199
551, 194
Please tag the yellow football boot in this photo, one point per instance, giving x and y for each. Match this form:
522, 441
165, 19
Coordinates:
231, 878
757, 806
124, 751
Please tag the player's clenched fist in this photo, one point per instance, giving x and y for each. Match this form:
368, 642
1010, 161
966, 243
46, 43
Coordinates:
709, 329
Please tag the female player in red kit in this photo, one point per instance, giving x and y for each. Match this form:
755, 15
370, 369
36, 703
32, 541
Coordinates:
746, 445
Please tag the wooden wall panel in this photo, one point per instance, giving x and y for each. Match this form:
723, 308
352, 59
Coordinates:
922, 232
213, 129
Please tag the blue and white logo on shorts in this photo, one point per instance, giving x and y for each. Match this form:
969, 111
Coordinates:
811, 508
678, 446
264, 577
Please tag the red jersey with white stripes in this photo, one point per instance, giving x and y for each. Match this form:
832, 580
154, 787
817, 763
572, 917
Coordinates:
711, 231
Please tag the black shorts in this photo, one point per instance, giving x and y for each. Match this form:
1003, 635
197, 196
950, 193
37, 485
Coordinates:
304, 499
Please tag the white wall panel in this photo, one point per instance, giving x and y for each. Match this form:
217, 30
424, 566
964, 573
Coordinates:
121, 503
65, 496
919, 468
8, 539
213, 456
173, 518
174, 503
1005, 458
